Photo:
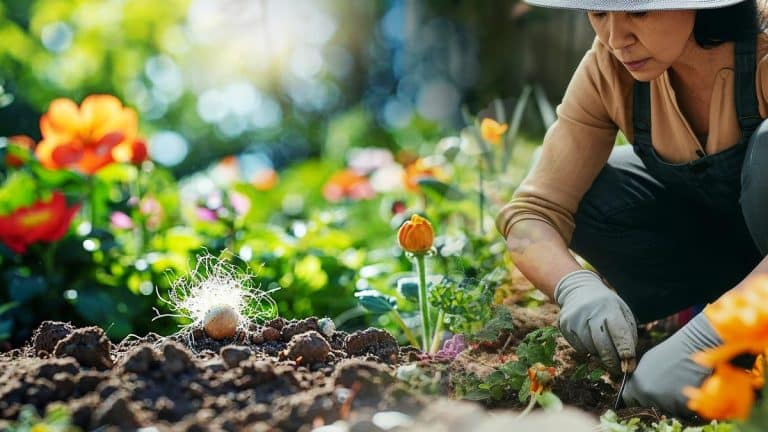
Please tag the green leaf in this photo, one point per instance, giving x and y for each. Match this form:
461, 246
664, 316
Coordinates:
375, 301
549, 401
476, 395
525, 390
596, 375
408, 287
439, 189
8, 306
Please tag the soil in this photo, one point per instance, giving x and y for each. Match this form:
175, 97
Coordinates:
280, 376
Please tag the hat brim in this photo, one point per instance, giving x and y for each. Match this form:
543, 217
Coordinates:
632, 5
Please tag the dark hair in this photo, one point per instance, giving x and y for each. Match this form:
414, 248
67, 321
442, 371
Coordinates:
740, 21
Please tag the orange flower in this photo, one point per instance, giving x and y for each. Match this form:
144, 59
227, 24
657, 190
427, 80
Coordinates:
541, 377
347, 184
265, 179
727, 394
740, 318
19, 149
758, 372
492, 131
418, 170
44, 221
86, 138
416, 235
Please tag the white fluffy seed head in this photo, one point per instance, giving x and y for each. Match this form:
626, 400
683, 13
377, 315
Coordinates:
220, 322
219, 297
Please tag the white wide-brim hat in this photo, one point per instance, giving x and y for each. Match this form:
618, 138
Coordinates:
633, 5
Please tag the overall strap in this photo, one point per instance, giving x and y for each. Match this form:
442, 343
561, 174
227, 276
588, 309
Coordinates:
745, 92
641, 115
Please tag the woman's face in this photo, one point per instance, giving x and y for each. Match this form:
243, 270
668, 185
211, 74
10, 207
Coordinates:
648, 43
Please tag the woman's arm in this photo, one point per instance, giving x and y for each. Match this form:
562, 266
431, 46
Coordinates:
541, 254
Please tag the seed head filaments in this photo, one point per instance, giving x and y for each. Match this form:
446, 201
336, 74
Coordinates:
219, 297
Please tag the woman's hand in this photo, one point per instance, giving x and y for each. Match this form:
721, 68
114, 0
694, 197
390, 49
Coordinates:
595, 320
665, 370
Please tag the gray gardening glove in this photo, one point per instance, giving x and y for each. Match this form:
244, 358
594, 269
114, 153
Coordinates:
665, 370
595, 320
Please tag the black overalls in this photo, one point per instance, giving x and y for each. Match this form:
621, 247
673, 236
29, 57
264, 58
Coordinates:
669, 236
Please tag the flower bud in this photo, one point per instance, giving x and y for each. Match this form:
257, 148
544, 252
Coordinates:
416, 235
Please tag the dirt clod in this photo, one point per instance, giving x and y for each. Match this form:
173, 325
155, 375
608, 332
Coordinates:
139, 360
270, 334
372, 341
233, 355
308, 348
48, 334
277, 323
117, 410
89, 345
298, 327
178, 359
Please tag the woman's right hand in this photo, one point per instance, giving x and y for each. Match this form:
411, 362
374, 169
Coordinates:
595, 320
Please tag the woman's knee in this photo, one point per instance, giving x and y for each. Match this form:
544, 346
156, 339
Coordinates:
754, 187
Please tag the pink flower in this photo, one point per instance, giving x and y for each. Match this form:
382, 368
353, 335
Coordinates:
120, 220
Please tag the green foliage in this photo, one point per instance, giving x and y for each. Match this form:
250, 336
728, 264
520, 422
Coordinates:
466, 304
499, 325
512, 377
538, 346
610, 422
57, 419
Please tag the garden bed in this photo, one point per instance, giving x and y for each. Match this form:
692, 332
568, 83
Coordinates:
285, 375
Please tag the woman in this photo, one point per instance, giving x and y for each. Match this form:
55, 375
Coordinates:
676, 219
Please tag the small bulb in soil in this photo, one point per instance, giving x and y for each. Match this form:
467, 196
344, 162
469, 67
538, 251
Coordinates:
220, 322
218, 297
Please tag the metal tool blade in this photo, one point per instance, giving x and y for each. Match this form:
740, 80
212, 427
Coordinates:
617, 404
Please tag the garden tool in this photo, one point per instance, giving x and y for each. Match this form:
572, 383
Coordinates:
627, 367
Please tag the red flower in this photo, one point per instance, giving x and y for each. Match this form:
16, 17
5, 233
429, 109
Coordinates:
136, 153
43, 221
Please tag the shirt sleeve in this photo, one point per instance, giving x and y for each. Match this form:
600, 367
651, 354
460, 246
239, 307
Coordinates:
575, 149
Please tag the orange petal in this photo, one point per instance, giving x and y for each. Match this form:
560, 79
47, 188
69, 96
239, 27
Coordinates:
63, 118
727, 394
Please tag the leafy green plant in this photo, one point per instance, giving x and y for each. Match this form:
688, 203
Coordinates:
610, 422
538, 347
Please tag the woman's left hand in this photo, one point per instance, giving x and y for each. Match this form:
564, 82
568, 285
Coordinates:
665, 370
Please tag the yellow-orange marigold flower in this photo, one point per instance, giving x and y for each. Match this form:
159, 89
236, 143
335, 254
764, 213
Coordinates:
727, 394
541, 377
740, 318
492, 131
416, 235
418, 170
85, 138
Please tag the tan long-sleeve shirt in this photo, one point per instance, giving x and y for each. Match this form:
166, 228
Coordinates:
597, 104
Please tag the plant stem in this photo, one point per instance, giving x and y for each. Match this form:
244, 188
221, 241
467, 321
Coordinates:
423, 302
438, 329
481, 198
531, 404
406, 331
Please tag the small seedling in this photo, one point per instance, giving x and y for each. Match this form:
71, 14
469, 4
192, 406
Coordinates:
218, 297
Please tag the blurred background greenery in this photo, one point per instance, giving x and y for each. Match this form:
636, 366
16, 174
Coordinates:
230, 92
280, 80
